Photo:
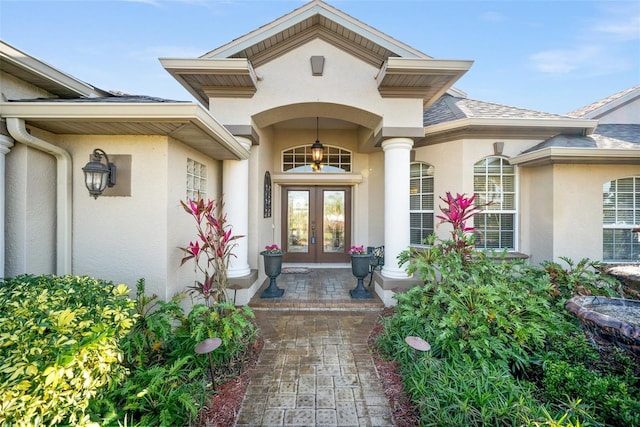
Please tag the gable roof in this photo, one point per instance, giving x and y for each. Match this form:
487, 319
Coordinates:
605, 105
315, 19
228, 71
31, 70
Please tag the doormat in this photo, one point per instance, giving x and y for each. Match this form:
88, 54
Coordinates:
296, 270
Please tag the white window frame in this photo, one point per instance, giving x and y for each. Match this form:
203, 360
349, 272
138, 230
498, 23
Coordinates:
622, 225
424, 167
480, 199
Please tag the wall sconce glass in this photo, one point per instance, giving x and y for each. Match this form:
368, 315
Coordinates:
98, 175
317, 150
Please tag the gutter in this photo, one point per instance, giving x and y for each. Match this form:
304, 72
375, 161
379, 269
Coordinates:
18, 131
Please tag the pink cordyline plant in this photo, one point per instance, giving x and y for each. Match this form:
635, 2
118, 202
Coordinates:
212, 249
458, 211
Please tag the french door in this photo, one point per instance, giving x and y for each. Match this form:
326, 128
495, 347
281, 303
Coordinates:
316, 224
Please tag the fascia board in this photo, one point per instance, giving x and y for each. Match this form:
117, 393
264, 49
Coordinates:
43, 70
559, 154
588, 124
97, 112
426, 65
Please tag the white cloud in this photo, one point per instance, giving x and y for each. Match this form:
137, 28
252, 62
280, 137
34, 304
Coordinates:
492, 17
625, 28
563, 61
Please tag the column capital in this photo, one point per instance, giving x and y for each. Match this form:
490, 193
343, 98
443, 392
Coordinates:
6, 142
244, 141
397, 143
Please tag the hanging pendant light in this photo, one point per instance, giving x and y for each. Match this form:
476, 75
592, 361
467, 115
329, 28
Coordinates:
317, 150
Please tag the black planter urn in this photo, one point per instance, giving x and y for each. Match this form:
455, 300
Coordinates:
272, 268
360, 269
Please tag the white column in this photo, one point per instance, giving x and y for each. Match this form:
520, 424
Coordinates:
235, 189
397, 159
6, 143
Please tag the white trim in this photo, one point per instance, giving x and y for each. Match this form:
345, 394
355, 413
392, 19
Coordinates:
586, 124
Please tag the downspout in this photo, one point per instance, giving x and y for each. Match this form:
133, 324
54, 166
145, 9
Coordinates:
18, 131
5, 145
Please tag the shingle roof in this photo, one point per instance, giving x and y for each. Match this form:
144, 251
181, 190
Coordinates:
609, 136
583, 111
124, 99
449, 108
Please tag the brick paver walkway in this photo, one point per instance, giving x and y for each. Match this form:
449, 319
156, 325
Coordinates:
315, 370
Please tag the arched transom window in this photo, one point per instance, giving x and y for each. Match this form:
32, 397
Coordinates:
420, 202
298, 159
621, 215
494, 182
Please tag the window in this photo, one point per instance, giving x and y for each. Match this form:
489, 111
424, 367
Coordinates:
298, 159
621, 213
420, 202
196, 180
494, 182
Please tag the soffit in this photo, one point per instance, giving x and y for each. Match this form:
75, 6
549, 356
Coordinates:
186, 122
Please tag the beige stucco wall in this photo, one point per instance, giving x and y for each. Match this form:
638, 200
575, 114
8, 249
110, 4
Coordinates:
121, 239
578, 207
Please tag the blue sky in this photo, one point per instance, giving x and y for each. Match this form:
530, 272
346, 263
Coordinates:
552, 56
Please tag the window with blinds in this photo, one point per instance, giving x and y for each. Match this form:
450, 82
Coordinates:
621, 214
421, 202
494, 182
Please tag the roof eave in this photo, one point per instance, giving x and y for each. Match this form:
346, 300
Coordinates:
581, 126
190, 113
203, 69
62, 84
426, 78
568, 155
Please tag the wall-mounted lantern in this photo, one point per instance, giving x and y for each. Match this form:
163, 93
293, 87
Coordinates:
99, 175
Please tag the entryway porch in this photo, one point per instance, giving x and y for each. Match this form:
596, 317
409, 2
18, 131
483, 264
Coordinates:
317, 288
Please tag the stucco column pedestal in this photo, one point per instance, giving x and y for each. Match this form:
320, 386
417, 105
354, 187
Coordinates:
397, 159
235, 182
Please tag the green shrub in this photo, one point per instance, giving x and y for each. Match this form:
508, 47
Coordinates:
58, 346
476, 308
169, 383
607, 394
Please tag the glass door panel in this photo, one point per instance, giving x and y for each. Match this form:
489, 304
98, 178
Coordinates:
333, 221
298, 221
316, 224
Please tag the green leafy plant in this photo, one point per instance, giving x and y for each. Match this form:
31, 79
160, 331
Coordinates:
503, 349
59, 346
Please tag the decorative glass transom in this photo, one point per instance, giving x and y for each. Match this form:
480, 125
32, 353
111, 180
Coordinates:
196, 179
298, 159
